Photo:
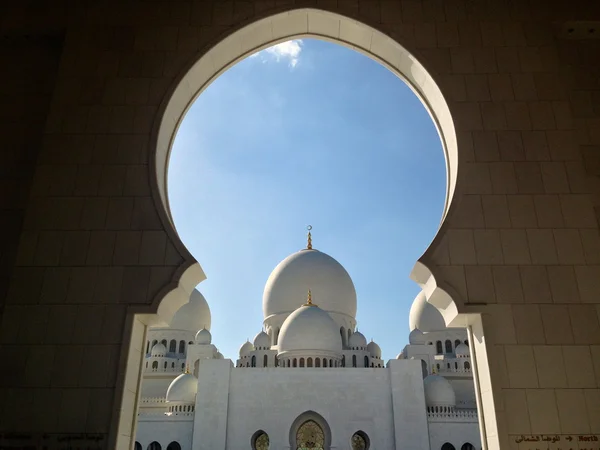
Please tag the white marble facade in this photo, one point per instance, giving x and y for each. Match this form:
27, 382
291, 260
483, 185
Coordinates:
309, 379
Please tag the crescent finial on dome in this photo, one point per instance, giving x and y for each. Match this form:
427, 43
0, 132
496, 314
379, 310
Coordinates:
309, 243
309, 301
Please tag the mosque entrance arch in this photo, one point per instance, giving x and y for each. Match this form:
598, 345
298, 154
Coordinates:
310, 431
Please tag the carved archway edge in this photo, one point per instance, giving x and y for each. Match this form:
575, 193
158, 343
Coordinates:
190, 273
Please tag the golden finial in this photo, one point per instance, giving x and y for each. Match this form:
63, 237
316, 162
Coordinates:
309, 300
309, 244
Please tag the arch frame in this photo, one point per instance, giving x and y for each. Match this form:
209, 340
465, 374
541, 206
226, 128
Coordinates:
364, 436
294, 23
305, 417
256, 435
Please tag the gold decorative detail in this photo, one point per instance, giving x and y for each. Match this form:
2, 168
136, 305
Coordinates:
262, 442
309, 244
187, 368
310, 436
309, 300
358, 442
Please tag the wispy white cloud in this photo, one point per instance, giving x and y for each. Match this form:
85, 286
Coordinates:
285, 51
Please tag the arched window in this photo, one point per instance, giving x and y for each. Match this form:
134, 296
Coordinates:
353, 360
467, 365
155, 364
137, 445
310, 436
174, 446
366, 361
343, 336
317, 362
265, 361
343, 360
276, 360
172, 346
154, 446
260, 441
253, 360
324, 362
172, 365
165, 364
438, 347
360, 441
295, 364
456, 343
456, 365
164, 342
288, 364
309, 362
448, 446
147, 350
467, 446
182, 366
438, 367
301, 362
448, 346
182, 347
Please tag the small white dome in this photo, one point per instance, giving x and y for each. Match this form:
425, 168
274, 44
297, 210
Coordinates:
309, 328
193, 315
203, 337
425, 316
262, 341
416, 337
314, 270
357, 339
438, 391
183, 389
374, 350
159, 350
400, 356
246, 348
462, 351
219, 355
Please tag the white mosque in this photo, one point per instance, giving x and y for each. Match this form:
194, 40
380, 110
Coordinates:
309, 380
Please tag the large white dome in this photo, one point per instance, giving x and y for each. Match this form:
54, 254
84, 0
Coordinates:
194, 315
438, 391
183, 389
309, 269
425, 316
309, 328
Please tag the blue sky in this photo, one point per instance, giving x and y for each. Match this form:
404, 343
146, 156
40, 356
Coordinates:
307, 132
